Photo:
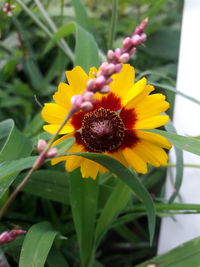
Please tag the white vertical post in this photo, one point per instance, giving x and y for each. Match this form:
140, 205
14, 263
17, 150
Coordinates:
187, 122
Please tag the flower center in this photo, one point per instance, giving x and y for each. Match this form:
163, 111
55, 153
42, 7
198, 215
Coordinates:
102, 130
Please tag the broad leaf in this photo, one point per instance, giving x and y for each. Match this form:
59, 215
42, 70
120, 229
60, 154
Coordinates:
36, 245
186, 255
130, 179
84, 197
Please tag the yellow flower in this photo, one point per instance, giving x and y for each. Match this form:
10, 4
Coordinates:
114, 126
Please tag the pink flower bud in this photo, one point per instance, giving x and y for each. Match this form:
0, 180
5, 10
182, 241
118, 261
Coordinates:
105, 89
110, 55
132, 51
86, 106
110, 69
143, 37
41, 145
108, 81
87, 96
90, 84
9, 236
76, 101
139, 29
118, 68
117, 52
127, 43
100, 81
52, 152
124, 58
136, 40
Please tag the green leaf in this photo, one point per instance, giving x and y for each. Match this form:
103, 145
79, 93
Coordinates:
189, 144
81, 14
160, 45
9, 168
86, 50
116, 202
186, 255
84, 197
179, 165
55, 259
48, 184
14, 145
130, 179
36, 245
63, 31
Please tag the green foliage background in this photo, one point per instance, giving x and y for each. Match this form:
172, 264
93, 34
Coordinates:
74, 221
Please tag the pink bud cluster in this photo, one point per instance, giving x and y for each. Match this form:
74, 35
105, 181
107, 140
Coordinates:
41, 148
115, 59
7, 9
9, 236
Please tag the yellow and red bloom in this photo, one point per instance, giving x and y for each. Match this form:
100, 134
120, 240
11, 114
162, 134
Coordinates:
115, 126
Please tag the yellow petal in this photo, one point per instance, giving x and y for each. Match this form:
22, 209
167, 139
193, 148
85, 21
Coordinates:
63, 158
150, 106
74, 162
156, 139
53, 113
137, 94
89, 168
63, 96
68, 128
77, 79
118, 156
135, 161
61, 139
151, 153
152, 122
123, 81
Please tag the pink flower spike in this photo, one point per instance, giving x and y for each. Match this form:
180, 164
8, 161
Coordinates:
139, 29
52, 152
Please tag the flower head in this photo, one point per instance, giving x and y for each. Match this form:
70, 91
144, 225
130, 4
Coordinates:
114, 126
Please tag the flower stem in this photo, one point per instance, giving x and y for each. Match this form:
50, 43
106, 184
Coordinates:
39, 161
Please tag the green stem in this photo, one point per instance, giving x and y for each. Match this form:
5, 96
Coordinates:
165, 207
185, 165
39, 161
113, 22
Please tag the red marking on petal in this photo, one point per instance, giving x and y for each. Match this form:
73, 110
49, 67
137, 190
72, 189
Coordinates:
129, 117
77, 119
130, 139
110, 101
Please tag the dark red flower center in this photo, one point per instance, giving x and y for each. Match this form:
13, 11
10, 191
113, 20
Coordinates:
102, 130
